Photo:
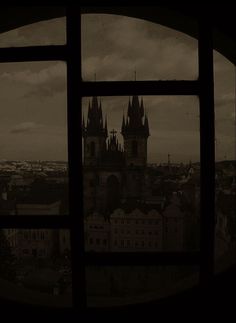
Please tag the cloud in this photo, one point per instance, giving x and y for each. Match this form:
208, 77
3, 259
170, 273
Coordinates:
43, 82
26, 128
114, 46
42, 76
48, 32
225, 99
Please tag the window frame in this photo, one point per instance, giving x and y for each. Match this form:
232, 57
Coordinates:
77, 89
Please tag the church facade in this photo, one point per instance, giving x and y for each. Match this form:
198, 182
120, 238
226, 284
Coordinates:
114, 176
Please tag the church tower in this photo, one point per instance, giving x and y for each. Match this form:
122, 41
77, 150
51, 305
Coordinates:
135, 131
94, 134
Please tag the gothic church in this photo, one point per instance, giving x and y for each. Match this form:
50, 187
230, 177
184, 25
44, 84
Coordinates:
114, 176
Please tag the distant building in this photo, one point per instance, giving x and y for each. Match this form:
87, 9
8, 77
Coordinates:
97, 233
136, 231
37, 208
173, 226
40, 243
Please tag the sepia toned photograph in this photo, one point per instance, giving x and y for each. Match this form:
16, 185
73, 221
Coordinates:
117, 161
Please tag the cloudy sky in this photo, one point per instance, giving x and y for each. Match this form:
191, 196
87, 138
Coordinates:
33, 95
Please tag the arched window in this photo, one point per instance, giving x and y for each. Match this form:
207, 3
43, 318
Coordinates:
201, 87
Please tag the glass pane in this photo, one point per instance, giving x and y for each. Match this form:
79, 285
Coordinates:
141, 173
122, 48
33, 139
116, 286
35, 266
49, 32
225, 252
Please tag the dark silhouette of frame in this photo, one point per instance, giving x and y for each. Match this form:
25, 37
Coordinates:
203, 87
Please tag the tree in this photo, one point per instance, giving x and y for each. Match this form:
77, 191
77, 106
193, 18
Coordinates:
7, 259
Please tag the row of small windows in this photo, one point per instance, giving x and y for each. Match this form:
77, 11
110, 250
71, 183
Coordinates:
28, 234
32, 235
98, 241
96, 227
145, 222
128, 243
34, 252
123, 243
142, 232
128, 222
136, 221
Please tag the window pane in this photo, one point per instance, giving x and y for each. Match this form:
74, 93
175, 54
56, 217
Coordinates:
49, 32
35, 266
141, 173
225, 252
33, 138
116, 286
115, 47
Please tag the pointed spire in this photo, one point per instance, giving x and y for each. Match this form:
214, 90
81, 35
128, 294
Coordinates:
142, 108
95, 122
100, 113
83, 122
135, 102
94, 103
105, 128
129, 113
83, 126
123, 125
89, 111
146, 126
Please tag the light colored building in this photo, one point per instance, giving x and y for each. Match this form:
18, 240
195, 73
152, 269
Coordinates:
37, 243
12, 238
136, 231
97, 233
40, 243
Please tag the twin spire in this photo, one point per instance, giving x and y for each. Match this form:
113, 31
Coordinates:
135, 123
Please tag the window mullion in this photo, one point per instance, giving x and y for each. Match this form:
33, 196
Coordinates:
33, 53
74, 151
142, 258
35, 221
207, 140
116, 88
